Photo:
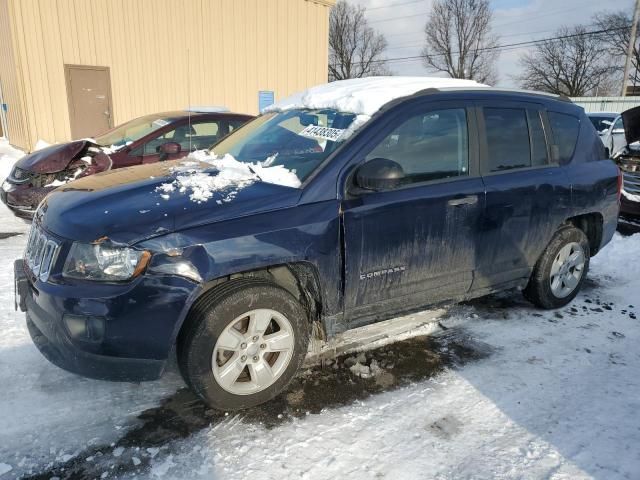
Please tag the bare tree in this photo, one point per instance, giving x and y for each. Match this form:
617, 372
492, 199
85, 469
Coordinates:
355, 49
458, 40
617, 32
574, 65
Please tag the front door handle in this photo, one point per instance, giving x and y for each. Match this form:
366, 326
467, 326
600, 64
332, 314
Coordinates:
468, 200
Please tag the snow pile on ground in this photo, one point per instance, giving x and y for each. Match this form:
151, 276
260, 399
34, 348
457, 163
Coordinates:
8, 157
231, 176
364, 96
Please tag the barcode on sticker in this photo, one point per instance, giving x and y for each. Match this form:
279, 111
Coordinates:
326, 133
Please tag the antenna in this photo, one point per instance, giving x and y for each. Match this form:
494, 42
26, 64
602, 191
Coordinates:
189, 95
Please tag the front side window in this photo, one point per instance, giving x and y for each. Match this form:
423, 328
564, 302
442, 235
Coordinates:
299, 140
197, 136
429, 146
152, 146
507, 134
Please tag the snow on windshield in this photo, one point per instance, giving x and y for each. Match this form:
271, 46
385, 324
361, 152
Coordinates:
231, 177
364, 96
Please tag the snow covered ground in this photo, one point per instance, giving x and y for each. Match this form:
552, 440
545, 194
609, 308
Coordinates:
8, 156
501, 390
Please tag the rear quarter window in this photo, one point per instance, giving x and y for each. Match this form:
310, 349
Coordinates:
565, 130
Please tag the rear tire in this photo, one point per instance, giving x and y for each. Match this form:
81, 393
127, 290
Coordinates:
561, 269
243, 344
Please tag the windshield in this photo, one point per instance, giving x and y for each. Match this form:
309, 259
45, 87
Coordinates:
601, 123
299, 140
132, 130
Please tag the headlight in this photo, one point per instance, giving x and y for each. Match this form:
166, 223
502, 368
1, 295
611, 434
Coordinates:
104, 262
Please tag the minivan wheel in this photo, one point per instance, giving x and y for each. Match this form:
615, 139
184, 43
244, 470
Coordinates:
243, 344
561, 269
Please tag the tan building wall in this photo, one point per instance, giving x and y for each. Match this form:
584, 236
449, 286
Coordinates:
10, 84
161, 54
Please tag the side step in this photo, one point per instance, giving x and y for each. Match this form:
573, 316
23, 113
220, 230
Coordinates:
374, 335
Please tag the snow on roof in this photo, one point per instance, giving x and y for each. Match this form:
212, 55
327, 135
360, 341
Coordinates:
365, 96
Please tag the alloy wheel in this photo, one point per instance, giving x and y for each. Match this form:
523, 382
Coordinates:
567, 270
253, 351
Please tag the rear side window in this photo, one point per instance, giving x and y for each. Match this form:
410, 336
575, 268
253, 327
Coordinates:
508, 144
565, 133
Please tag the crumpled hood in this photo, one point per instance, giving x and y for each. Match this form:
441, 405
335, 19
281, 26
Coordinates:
52, 159
126, 206
631, 122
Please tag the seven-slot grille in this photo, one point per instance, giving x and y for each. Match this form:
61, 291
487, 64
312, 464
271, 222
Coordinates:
631, 182
41, 252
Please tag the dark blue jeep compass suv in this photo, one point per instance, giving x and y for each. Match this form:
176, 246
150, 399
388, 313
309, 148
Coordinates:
341, 206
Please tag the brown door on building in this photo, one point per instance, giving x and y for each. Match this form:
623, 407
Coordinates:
89, 95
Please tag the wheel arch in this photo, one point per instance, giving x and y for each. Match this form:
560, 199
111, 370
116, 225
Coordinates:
300, 279
592, 224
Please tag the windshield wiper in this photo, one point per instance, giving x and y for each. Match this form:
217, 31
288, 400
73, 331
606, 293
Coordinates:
254, 172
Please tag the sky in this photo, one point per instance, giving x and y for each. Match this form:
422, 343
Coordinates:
513, 21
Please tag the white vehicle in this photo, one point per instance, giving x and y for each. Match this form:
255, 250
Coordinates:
602, 121
614, 138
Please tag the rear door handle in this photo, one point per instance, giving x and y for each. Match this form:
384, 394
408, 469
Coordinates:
469, 200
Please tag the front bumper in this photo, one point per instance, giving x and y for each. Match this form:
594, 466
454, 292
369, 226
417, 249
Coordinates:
140, 323
23, 199
629, 208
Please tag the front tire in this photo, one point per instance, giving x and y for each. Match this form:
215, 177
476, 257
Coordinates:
243, 344
561, 269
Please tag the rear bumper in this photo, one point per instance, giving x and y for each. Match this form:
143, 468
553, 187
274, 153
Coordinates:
134, 344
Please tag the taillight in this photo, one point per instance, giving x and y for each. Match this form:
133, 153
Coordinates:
620, 184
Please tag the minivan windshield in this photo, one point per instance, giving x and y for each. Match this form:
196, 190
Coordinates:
299, 140
133, 130
602, 123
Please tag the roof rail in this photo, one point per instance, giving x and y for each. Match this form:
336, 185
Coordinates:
207, 109
562, 98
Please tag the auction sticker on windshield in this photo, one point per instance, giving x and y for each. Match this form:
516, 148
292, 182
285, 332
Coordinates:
326, 133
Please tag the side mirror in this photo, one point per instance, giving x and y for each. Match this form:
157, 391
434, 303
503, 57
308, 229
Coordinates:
169, 148
379, 174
